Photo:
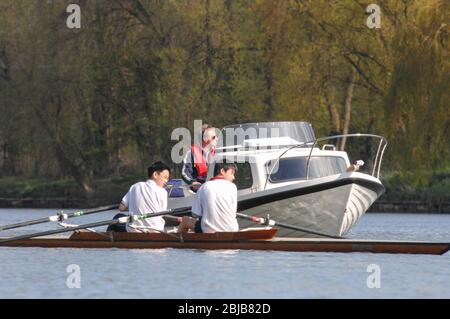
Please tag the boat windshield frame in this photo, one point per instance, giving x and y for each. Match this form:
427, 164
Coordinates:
378, 157
296, 130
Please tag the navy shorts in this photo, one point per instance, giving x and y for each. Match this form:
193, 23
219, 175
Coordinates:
198, 226
119, 228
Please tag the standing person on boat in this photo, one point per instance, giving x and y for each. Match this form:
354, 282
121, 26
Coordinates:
147, 197
215, 204
195, 163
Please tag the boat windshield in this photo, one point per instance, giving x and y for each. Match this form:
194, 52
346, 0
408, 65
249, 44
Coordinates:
294, 168
298, 131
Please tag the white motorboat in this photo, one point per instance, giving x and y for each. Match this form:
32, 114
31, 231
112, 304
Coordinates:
287, 173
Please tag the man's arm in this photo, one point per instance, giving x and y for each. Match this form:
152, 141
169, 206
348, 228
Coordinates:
234, 198
187, 172
164, 195
123, 207
196, 209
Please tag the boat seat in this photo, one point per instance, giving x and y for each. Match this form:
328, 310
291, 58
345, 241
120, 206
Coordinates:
174, 188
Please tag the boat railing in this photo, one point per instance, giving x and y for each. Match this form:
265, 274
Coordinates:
378, 157
240, 147
376, 165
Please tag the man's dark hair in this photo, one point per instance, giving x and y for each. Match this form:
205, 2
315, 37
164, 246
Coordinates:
225, 166
157, 167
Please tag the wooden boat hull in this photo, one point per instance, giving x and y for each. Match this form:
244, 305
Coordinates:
246, 240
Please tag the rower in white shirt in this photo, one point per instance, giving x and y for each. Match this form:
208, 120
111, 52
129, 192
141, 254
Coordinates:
215, 204
148, 197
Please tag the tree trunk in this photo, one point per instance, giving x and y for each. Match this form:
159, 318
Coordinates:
208, 35
75, 170
347, 110
268, 76
333, 111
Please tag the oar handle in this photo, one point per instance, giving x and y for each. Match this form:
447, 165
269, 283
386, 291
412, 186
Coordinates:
271, 222
92, 211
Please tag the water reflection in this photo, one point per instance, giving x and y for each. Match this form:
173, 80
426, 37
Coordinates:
176, 273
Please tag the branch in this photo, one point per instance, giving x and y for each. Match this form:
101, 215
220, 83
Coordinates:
136, 9
363, 75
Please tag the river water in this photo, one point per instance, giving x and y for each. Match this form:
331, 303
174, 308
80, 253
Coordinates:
171, 273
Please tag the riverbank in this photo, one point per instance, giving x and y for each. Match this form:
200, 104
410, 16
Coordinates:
400, 197
66, 203
417, 207
65, 193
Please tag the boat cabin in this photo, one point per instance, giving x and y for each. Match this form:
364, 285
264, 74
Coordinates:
273, 154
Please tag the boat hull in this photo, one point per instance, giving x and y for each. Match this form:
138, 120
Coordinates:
331, 207
252, 240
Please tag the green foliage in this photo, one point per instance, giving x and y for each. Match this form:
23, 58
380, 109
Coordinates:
102, 101
34, 188
417, 186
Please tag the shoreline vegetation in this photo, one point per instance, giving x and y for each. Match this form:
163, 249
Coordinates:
402, 194
105, 99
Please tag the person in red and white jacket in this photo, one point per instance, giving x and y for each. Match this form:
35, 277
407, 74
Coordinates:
195, 163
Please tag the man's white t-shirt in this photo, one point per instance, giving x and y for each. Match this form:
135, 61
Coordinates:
216, 204
143, 198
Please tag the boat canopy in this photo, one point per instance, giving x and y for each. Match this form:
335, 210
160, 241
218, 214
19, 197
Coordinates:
298, 131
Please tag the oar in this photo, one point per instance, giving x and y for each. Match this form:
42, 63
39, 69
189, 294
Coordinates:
121, 220
271, 222
59, 217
